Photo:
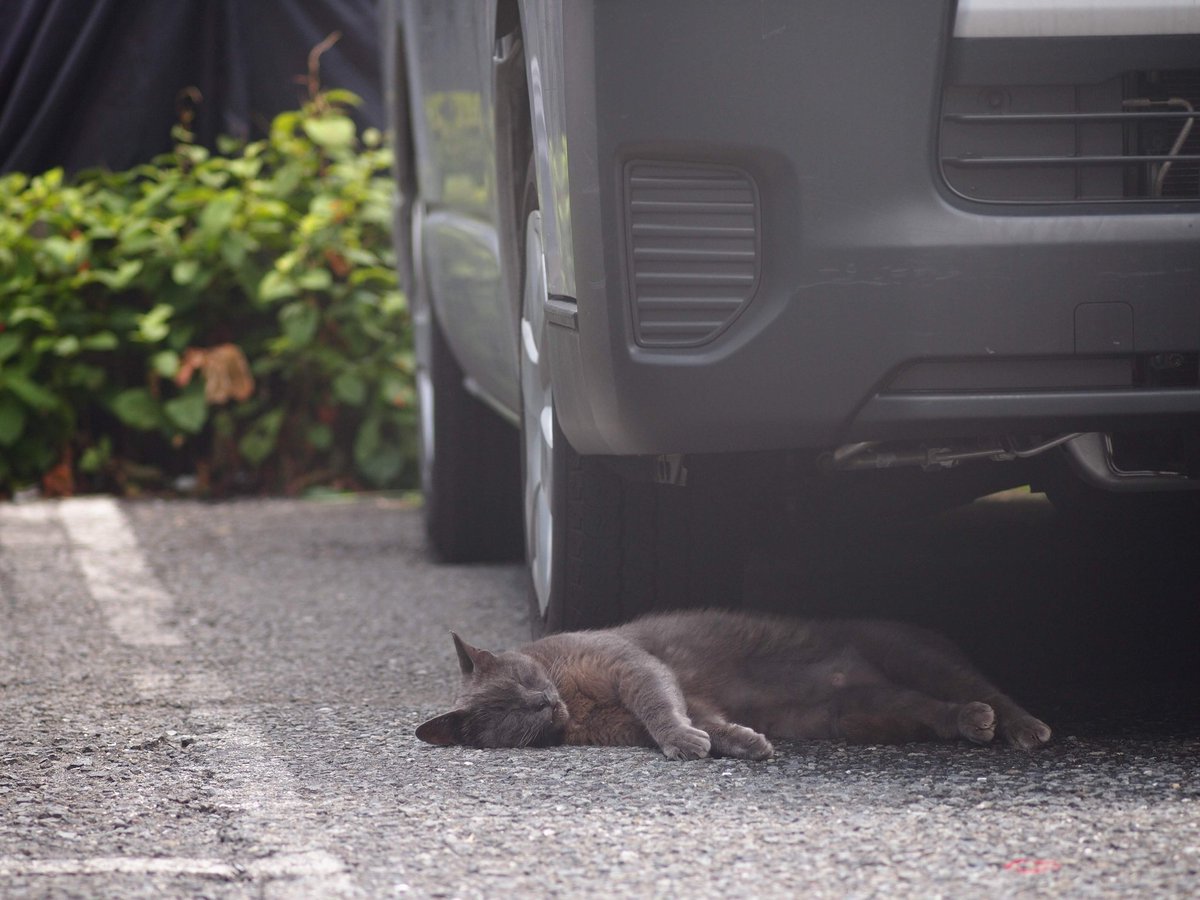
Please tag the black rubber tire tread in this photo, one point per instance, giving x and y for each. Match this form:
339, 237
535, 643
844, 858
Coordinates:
473, 501
588, 589
630, 548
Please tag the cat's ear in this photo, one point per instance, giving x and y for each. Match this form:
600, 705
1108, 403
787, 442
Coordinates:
471, 658
444, 730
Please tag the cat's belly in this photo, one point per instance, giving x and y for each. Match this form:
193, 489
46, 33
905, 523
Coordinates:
796, 723
603, 722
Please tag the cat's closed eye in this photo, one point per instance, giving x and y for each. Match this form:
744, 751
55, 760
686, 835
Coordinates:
541, 699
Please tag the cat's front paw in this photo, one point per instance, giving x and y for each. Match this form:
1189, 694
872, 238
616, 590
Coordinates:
686, 742
977, 722
1025, 731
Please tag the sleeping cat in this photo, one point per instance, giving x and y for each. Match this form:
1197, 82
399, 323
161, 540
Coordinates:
710, 682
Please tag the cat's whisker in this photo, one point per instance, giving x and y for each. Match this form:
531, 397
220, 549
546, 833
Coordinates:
534, 730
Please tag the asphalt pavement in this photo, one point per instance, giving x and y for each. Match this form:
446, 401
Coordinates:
218, 700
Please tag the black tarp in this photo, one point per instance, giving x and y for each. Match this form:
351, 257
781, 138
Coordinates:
98, 82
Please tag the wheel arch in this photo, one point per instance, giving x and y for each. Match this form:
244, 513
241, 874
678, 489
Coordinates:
513, 133
398, 113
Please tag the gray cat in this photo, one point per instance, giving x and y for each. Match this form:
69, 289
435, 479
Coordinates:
710, 682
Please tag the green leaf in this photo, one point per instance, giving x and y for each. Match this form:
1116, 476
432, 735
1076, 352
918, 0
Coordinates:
165, 363
283, 124
396, 389
96, 457
393, 303
137, 408
259, 442
33, 314
153, 326
194, 154
188, 411
12, 420
214, 178
184, 272
64, 252
267, 210
90, 378
275, 286
350, 389
299, 321
331, 132
10, 343
341, 95
315, 280
234, 248
246, 169
287, 180
373, 273
120, 279
155, 196
68, 345
320, 436
52, 179
101, 340
219, 213
29, 393
376, 453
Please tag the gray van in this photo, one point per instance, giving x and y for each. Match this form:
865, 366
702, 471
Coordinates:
682, 269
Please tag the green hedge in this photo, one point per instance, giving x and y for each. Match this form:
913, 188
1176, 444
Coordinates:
232, 316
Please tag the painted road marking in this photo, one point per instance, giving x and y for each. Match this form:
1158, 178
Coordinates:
283, 866
288, 857
17, 867
136, 605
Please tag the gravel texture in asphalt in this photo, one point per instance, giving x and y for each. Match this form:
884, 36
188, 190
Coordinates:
219, 700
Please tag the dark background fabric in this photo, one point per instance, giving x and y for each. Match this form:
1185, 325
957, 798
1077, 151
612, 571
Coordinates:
88, 83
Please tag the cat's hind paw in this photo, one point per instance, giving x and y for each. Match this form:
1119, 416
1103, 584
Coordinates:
977, 722
686, 742
740, 742
1025, 732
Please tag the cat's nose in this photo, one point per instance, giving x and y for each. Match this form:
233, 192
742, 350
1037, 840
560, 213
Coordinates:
549, 699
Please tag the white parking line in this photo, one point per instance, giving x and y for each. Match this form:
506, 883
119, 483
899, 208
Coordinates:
288, 856
289, 866
16, 867
136, 605
269, 807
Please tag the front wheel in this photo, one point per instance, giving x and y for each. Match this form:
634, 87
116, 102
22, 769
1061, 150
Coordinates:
602, 549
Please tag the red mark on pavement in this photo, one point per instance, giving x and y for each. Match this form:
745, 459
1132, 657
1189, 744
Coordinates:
1032, 866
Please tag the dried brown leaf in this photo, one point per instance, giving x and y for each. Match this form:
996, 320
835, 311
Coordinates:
226, 372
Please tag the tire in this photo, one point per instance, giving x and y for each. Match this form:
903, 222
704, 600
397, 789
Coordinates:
469, 459
601, 549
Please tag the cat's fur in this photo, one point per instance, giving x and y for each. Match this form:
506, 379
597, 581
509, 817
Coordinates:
710, 682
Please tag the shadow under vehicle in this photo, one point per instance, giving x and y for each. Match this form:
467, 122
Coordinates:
684, 273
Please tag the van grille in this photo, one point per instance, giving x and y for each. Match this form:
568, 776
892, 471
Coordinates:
1130, 138
693, 249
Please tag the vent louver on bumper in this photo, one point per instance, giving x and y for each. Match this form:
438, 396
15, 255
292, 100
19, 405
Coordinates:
692, 243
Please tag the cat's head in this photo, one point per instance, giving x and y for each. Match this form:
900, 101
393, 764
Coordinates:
506, 700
